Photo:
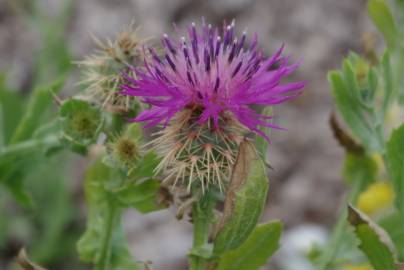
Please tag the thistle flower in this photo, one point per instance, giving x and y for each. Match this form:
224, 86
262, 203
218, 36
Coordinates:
202, 90
102, 70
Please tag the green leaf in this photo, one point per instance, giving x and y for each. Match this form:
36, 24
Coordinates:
91, 245
103, 241
244, 202
350, 79
255, 251
11, 103
393, 225
359, 168
141, 196
389, 92
395, 165
359, 171
134, 131
351, 111
383, 19
145, 166
40, 101
373, 83
374, 242
19, 160
48, 183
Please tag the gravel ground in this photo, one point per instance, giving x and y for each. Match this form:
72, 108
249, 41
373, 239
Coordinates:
305, 182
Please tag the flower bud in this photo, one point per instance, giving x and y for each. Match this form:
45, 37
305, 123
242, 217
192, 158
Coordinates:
102, 71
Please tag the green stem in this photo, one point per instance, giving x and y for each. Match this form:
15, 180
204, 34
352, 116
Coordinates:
29, 145
341, 226
105, 255
202, 214
2, 127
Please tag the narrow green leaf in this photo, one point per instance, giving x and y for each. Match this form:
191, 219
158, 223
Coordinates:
350, 79
244, 202
255, 251
39, 102
12, 108
351, 112
2, 126
388, 83
383, 19
395, 165
373, 83
374, 242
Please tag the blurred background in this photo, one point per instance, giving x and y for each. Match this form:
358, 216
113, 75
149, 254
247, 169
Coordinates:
39, 39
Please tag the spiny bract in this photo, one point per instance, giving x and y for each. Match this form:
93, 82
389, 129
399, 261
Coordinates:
103, 70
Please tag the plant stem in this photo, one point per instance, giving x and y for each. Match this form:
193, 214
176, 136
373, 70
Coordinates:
202, 213
111, 215
339, 229
29, 145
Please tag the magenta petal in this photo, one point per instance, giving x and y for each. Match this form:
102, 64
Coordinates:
215, 73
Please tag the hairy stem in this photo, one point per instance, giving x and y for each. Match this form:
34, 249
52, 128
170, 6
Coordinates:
110, 218
202, 215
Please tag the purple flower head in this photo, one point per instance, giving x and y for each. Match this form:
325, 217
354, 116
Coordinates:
213, 74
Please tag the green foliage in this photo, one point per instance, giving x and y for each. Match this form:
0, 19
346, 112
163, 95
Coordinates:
52, 243
382, 17
39, 102
11, 103
393, 225
54, 58
142, 196
255, 251
245, 200
359, 168
108, 191
374, 242
52, 238
26, 144
144, 167
359, 171
103, 242
389, 92
395, 163
346, 96
365, 91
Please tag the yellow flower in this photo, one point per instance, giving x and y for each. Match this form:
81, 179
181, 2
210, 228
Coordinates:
375, 198
358, 267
